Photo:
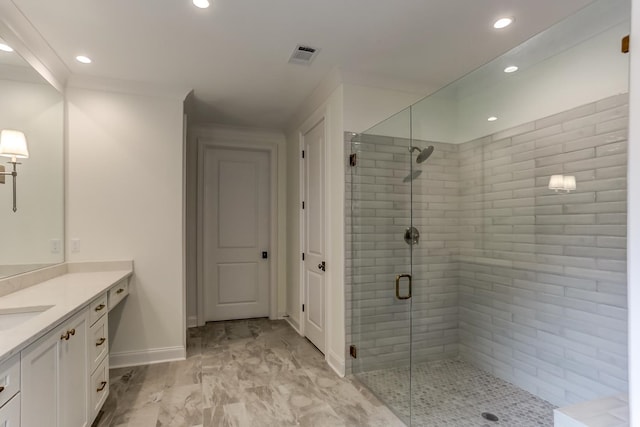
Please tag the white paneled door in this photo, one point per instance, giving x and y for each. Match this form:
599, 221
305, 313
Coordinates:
314, 238
235, 227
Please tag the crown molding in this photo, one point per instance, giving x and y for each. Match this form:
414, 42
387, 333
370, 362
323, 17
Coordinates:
25, 39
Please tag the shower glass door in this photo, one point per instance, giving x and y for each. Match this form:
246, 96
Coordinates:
380, 240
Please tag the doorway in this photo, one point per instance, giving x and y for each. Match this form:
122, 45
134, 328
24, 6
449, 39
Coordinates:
313, 236
235, 232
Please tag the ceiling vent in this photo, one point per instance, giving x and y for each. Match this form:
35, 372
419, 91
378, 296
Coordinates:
303, 55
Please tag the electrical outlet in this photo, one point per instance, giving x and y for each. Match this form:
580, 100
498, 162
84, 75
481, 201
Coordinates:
56, 246
75, 245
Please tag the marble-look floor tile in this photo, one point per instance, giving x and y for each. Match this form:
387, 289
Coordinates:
251, 373
181, 407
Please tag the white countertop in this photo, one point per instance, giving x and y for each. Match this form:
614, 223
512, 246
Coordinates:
67, 294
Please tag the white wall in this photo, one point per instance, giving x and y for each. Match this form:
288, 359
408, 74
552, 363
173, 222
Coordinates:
365, 106
37, 109
345, 107
228, 134
633, 244
458, 113
590, 71
332, 111
125, 201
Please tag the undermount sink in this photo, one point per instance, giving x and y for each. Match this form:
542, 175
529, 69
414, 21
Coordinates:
12, 317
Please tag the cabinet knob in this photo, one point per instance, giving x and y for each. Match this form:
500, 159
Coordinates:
65, 337
103, 384
72, 331
1, 388
100, 342
100, 307
119, 291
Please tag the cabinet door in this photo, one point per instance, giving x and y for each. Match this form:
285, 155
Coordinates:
39, 388
73, 378
10, 413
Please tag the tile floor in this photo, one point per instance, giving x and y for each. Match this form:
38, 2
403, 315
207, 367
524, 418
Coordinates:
242, 373
262, 373
454, 393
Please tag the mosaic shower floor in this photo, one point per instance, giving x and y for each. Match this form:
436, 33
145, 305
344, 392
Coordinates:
455, 393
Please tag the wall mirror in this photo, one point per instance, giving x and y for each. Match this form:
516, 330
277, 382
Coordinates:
33, 235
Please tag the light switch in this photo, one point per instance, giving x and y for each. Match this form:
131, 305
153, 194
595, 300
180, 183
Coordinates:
75, 245
56, 246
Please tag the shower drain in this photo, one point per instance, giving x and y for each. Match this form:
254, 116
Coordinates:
489, 416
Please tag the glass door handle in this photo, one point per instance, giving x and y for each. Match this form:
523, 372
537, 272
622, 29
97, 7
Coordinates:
398, 278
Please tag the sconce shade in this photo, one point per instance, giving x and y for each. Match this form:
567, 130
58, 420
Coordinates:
13, 143
569, 183
556, 182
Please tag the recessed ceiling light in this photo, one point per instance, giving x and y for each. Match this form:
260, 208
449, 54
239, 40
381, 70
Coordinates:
492, 119
511, 69
502, 23
5, 47
83, 59
202, 4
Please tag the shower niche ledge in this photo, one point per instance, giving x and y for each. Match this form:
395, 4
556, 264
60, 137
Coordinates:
610, 411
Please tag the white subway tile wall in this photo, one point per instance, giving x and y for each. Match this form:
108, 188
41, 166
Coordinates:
519, 280
378, 215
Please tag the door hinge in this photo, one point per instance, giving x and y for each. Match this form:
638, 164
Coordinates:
353, 351
625, 44
302, 205
303, 256
303, 154
353, 159
303, 308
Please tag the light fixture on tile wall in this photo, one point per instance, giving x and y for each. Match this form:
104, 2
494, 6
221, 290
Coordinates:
13, 144
561, 182
569, 183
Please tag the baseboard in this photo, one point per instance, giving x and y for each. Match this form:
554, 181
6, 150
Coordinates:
192, 321
146, 357
295, 325
336, 363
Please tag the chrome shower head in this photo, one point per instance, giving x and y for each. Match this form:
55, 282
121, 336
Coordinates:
424, 154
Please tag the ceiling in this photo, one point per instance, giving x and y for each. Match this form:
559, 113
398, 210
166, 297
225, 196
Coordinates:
235, 54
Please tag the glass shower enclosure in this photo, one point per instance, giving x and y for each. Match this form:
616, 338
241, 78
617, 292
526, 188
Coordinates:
486, 225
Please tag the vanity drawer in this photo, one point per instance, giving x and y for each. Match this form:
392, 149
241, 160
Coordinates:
10, 413
98, 308
99, 388
98, 342
9, 379
118, 292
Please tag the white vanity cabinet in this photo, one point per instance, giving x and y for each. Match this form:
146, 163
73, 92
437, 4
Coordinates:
10, 392
98, 368
55, 377
118, 292
54, 369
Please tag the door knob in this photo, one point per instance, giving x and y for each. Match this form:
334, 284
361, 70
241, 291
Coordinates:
322, 266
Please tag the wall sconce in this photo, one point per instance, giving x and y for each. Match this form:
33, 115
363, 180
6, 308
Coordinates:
561, 182
13, 144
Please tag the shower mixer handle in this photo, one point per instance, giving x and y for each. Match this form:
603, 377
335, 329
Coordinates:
398, 278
